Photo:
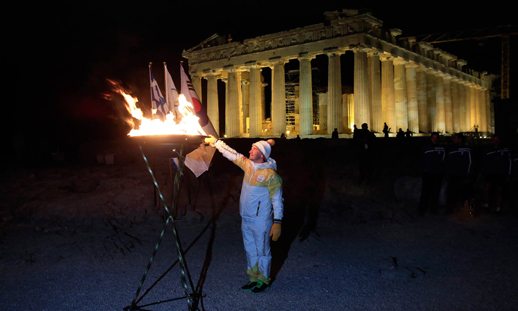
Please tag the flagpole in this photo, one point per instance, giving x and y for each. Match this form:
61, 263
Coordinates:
166, 87
151, 92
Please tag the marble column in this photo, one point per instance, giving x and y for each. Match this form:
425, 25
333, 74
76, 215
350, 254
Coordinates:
232, 126
472, 105
467, 103
245, 100
439, 102
431, 100
388, 104
322, 115
213, 101
482, 119
305, 95
278, 96
448, 108
255, 109
334, 91
196, 84
412, 106
376, 121
422, 104
400, 94
361, 88
461, 93
487, 101
455, 105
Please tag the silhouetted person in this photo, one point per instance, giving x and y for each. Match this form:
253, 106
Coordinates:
283, 136
432, 157
408, 133
496, 169
458, 167
365, 145
355, 131
334, 135
386, 129
400, 134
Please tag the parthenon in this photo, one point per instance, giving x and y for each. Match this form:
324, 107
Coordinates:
405, 83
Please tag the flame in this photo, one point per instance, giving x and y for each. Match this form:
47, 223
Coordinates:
184, 123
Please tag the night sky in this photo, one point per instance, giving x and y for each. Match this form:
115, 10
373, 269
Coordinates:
62, 53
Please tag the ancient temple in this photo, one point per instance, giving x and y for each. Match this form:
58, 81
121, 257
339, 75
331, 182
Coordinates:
405, 83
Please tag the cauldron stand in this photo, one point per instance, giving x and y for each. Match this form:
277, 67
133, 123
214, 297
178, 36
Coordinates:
171, 146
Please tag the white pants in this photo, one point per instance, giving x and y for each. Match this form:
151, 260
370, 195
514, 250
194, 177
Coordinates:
256, 238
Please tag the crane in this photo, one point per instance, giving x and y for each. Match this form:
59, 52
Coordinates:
504, 32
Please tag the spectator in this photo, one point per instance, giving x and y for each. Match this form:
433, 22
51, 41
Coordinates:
365, 145
432, 157
458, 170
334, 135
496, 170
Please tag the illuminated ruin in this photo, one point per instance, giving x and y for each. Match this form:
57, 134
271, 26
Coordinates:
402, 82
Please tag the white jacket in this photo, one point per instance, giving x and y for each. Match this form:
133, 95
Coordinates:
261, 193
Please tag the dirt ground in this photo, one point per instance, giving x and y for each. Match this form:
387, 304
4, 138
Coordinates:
78, 235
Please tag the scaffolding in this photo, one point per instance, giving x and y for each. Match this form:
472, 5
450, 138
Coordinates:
292, 99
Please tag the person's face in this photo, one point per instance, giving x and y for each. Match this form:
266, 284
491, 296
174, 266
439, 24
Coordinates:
456, 139
434, 139
256, 155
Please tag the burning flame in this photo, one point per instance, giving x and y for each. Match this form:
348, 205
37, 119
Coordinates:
184, 123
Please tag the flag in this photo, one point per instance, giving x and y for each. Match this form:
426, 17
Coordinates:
158, 103
171, 95
198, 161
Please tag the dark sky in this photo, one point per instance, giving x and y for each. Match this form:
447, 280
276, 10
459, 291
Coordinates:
62, 53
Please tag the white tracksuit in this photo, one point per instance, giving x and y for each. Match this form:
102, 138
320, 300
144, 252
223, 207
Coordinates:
260, 203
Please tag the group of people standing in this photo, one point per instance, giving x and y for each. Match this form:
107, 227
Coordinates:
450, 175
452, 172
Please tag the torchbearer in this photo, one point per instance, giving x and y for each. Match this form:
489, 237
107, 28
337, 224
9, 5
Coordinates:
260, 206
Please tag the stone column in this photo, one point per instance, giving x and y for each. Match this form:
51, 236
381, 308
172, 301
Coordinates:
245, 100
334, 92
412, 106
212, 100
422, 104
487, 101
305, 95
455, 105
196, 84
348, 113
482, 119
255, 109
467, 103
431, 100
361, 87
388, 104
232, 126
448, 108
472, 105
461, 93
278, 96
400, 94
439, 102
322, 107
376, 122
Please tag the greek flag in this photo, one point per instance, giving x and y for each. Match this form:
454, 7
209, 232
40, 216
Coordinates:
158, 103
